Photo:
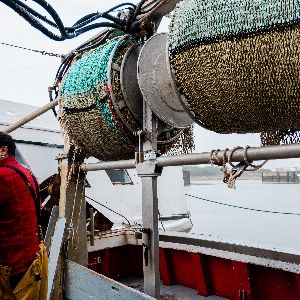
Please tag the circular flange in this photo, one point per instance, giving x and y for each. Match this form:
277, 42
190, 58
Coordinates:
156, 83
120, 105
129, 83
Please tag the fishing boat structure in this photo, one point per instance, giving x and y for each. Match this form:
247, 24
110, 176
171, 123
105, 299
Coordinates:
166, 81
41, 141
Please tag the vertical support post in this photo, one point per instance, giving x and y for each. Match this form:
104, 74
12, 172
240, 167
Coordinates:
150, 236
92, 227
72, 205
72, 209
149, 172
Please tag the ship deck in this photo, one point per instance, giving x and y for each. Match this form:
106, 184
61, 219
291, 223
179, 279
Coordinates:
174, 292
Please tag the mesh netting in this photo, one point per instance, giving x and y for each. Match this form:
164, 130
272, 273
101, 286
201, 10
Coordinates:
89, 116
237, 63
183, 143
85, 81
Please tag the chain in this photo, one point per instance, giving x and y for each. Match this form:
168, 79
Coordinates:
33, 50
68, 180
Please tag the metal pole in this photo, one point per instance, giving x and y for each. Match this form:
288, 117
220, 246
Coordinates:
253, 154
31, 116
150, 238
147, 170
121, 164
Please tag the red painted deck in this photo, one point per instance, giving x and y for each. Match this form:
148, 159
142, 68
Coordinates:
208, 274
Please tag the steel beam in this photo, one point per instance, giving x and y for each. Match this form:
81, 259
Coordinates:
51, 228
31, 116
72, 205
73, 210
121, 164
253, 154
148, 173
55, 262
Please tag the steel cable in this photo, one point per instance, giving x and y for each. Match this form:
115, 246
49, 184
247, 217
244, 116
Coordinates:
242, 207
109, 209
33, 50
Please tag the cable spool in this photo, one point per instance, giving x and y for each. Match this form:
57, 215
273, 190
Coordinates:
157, 85
101, 106
237, 65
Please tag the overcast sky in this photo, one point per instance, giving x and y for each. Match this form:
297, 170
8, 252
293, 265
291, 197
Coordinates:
25, 76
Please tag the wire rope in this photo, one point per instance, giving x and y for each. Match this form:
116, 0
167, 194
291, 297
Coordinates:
242, 207
33, 50
109, 209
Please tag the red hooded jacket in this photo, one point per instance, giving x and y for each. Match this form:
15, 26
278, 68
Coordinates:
19, 242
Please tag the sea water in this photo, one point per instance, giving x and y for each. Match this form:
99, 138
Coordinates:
267, 229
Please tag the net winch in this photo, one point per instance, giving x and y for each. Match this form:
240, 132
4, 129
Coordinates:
230, 66
101, 105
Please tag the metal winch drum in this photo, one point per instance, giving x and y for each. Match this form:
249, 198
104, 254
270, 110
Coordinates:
101, 105
230, 66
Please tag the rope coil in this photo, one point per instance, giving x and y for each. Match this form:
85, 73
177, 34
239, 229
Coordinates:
230, 175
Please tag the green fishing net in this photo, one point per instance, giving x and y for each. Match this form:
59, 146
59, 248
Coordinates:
90, 108
87, 112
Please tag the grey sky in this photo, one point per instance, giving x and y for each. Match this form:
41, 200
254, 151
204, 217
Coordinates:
25, 76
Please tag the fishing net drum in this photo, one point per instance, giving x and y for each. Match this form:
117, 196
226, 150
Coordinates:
236, 64
101, 106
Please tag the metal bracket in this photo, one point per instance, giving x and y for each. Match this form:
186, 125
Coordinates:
149, 168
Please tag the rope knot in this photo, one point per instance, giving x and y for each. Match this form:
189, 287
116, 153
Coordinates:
213, 157
231, 175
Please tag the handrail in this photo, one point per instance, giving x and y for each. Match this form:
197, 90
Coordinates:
30, 117
253, 154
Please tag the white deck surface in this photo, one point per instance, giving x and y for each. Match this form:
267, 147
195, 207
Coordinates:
174, 292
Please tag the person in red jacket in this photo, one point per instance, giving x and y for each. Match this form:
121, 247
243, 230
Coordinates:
20, 249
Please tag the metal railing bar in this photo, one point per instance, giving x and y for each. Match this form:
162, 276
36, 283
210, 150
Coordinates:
31, 116
253, 154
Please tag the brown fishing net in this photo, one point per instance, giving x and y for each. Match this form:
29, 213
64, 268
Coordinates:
243, 85
237, 63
